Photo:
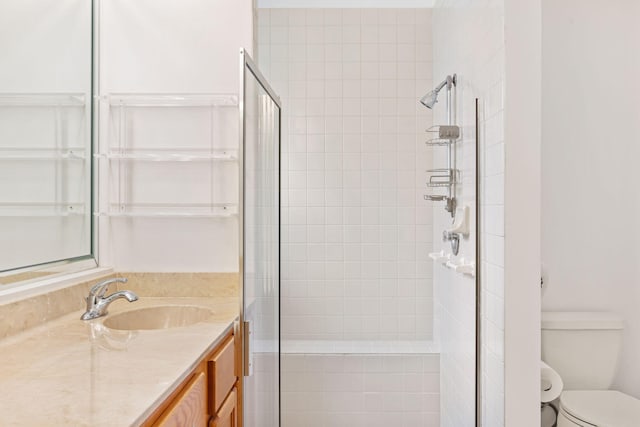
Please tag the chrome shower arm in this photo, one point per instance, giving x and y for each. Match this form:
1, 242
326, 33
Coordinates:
445, 82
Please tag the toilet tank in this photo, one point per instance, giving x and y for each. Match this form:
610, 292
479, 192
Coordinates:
583, 347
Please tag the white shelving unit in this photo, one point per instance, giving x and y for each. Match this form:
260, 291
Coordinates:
44, 157
169, 156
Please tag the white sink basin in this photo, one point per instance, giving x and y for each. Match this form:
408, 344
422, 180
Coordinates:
160, 317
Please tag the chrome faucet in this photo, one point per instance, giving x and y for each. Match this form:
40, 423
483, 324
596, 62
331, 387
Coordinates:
454, 238
97, 303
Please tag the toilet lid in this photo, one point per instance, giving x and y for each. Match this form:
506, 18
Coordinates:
602, 408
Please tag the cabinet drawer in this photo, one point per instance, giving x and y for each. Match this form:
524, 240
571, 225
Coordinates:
227, 416
189, 408
222, 377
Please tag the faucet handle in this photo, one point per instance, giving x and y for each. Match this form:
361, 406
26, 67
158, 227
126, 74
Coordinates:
99, 289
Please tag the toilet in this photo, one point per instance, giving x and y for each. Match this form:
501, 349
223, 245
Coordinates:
584, 347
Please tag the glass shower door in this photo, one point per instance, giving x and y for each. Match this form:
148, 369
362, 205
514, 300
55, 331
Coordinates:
260, 247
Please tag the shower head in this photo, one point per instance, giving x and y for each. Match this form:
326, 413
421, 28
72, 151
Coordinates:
431, 98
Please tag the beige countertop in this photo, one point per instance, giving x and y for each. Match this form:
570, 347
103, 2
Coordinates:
69, 372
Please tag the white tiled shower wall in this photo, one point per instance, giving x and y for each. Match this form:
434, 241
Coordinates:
355, 230
349, 390
469, 41
357, 283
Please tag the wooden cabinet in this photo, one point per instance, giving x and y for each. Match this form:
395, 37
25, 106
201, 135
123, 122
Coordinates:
222, 376
189, 408
209, 397
227, 416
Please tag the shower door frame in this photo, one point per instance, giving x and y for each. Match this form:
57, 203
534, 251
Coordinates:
478, 262
246, 62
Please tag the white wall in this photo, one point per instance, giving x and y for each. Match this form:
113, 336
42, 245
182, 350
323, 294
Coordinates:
46, 46
469, 41
356, 231
522, 133
151, 46
591, 143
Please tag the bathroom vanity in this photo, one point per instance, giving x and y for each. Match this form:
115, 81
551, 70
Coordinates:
209, 395
71, 372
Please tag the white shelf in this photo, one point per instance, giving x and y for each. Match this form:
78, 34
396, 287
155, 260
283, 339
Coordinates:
440, 257
164, 215
185, 156
41, 210
42, 100
77, 153
170, 100
171, 211
462, 265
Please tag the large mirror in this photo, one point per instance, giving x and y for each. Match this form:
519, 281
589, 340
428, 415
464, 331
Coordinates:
45, 136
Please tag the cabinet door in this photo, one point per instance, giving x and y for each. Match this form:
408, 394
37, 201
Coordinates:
228, 414
190, 408
222, 376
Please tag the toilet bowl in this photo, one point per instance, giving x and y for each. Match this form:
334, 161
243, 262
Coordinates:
601, 408
584, 348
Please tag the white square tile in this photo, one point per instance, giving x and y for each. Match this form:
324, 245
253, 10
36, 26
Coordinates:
369, 71
388, 33
406, 33
332, 17
279, 17
369, 33
351, 52
350, 33
314, 17
333, 53
349, 118
389, 17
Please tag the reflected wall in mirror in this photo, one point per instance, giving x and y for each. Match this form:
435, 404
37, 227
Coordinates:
45, 135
